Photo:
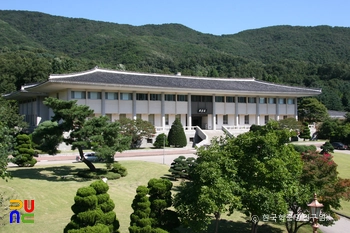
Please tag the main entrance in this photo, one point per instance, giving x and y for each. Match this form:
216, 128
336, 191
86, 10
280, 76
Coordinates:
200, 120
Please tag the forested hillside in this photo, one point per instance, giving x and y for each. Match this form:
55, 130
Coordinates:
34, 45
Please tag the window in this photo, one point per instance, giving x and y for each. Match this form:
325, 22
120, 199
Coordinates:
242, 99
126, 96
266, 119
149, 140
285, 117
181, 97
154, 97
166, 119
139, 116
272, 100
262, 100
78, 95
219, 99
230, 99
111, 95
122, 116
290, 101
246, 119
225, 119
169, 97
251, 100
216, 119
201, 98
94, 95
151, 118
178, 116
141, 96
281, 100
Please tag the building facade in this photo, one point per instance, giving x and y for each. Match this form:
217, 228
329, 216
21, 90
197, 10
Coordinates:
210, 103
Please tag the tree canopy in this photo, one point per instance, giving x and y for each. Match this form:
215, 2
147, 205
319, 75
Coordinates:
86, 132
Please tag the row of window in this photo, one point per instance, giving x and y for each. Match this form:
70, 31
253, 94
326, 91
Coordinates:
126, 96
172, 97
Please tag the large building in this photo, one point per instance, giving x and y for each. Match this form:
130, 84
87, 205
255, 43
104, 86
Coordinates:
210, 103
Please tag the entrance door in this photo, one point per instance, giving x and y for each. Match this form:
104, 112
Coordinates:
197, 121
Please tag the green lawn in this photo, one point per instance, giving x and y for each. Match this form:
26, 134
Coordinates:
343, 161
54, 197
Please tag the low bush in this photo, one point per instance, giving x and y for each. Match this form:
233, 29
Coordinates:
119, 169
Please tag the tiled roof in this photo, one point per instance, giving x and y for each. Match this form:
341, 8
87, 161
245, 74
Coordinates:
108, 77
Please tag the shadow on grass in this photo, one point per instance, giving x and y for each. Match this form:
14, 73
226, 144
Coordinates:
54, 173
237, 227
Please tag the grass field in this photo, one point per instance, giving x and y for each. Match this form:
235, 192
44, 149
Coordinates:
54, 196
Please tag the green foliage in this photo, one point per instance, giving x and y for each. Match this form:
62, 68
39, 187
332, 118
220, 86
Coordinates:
312, 110
98, 173
118, 168
180, 167
212, 189
6, 144
305, 131
161, 141
96, 133
33, 47
93, 210
303, 148
136, 130
47, 136
9, 116
140, 221
161, 200
176, 136
327, 148
23, 152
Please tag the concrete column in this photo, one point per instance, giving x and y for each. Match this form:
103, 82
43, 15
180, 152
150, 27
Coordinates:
163, 110
103, 103
214, 113
257, 111
277, 110
236, 111
296, 108
189, 111
134, 105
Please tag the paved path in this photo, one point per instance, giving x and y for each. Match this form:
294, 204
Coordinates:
340, 226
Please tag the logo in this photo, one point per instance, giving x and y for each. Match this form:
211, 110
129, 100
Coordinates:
15, 215
202, 110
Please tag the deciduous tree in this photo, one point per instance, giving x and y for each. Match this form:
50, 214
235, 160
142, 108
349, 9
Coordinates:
311, 110
136, 130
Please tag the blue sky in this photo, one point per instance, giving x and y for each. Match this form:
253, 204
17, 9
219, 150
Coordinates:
215, 17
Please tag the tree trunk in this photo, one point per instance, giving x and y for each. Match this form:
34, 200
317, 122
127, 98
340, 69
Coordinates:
217, 218
255, 227
87, 162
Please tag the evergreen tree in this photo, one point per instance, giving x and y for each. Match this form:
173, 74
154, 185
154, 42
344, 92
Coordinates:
305, 132
23, 154
180, 167
93, 211
161, 200
140, 221
161, 141
177, 135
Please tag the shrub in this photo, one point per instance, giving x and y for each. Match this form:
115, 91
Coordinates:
303, 148
161, 141
118, 168
177, 136
23, 153
180, 167
93, 211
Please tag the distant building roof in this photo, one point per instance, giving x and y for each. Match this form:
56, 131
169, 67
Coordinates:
336, 114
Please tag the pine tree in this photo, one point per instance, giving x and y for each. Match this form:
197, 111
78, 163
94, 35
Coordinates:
305, 132
93, 211
23, 154
161, 141
180, 167
140, 221
161, 200
177, 135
